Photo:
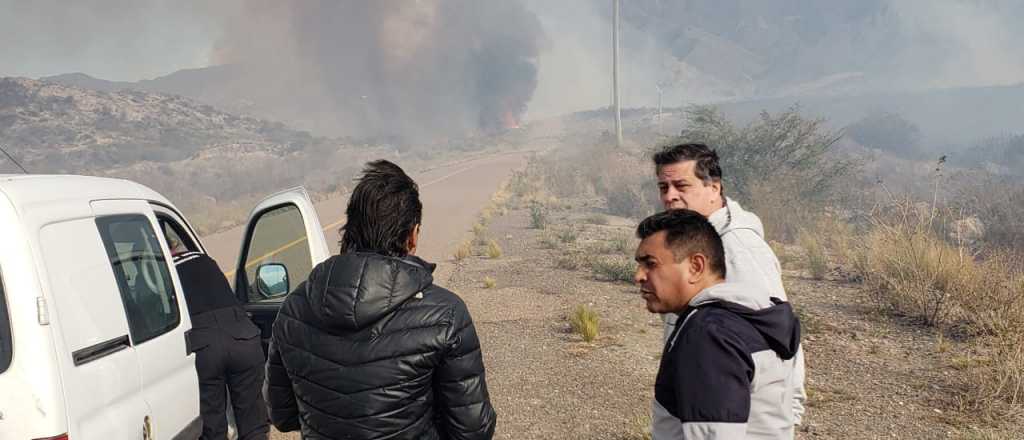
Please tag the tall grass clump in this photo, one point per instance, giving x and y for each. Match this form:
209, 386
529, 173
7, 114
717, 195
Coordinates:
490, 283
493, 250
538, 216
814, 249
463, 251
614, 268
585, 321
907, 260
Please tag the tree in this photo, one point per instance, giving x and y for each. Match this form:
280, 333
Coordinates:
888, 132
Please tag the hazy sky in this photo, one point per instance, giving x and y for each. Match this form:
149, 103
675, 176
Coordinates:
110, 39
924, 44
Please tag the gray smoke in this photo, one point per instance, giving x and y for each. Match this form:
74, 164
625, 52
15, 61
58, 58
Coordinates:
415, 69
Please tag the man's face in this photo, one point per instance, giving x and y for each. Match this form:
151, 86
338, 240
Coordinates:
680, 188
664, 284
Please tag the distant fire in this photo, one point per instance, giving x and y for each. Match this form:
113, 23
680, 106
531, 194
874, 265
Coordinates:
509, 121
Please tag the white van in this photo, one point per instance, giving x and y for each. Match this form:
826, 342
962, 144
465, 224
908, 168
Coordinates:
92, 318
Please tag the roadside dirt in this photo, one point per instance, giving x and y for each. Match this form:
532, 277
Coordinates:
871, 375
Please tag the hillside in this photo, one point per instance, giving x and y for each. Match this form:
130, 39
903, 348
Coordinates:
214, 165
58, 128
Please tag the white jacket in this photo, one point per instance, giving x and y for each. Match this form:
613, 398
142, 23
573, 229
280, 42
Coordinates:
748, 260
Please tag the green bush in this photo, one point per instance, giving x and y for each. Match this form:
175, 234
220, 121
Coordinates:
538, 216
567, 235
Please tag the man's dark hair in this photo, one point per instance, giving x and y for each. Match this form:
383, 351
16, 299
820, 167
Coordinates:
688, 233
382, 211
706, 167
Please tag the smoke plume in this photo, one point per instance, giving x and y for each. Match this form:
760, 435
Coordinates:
415, 69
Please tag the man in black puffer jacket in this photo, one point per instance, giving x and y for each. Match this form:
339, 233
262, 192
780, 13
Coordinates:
368, 347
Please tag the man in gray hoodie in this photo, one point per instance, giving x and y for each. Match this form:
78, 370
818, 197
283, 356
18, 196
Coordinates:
727, 369
690, 177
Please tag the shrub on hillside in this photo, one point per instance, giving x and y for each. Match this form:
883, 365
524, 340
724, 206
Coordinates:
780, 165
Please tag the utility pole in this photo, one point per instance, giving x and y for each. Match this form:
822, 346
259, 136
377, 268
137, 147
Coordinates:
615, 72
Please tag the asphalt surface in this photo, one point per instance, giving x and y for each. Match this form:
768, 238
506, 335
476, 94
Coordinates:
452, 195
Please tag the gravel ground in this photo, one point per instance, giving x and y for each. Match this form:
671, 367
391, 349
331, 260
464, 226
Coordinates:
545, 382
871, 375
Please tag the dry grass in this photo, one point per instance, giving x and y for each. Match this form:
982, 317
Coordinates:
490, 283
596, 219
463, 251
585, 321
485, 216
493, 250
617, 244
567, 235
569, 261
814, 250
538, 216
479, 234
612, 268
905, 260
549, 241
639, 428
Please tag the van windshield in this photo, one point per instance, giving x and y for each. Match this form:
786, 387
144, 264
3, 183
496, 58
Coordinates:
6, 348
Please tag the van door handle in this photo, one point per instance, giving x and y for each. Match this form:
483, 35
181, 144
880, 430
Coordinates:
103, 349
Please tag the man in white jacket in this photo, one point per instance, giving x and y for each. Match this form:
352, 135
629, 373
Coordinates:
690, 177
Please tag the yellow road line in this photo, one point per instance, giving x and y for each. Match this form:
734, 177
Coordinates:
331, 226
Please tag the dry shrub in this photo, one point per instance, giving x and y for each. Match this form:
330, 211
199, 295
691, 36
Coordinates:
995, 382
614, 268
916, 272
639, 428
486, 215
493, 250
585, 321
567, 235
538, 216
549, 241
569, 261
814, 250
907, 261
490, 283
463, 251
596, 219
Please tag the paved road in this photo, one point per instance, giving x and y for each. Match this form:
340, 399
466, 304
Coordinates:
452, 195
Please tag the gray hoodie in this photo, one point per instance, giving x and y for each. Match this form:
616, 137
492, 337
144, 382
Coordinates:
748, 260
728, 368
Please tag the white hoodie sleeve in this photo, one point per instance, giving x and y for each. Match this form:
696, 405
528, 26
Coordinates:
750, 260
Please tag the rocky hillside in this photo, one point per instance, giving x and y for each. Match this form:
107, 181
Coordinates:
57, 128
214, 165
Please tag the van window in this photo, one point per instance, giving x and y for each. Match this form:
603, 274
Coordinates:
279, 236
142, 275
6, 347
178, 241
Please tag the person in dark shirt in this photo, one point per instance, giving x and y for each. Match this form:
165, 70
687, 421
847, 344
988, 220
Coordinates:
229, 356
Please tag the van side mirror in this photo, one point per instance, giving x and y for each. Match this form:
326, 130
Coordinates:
272, 280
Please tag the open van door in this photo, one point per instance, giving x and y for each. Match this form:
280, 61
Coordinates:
283, 241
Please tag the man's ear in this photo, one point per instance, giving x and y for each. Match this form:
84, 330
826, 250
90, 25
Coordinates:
698, 267
414, 240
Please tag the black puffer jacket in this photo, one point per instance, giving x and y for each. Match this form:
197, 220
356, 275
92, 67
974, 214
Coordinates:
370, 348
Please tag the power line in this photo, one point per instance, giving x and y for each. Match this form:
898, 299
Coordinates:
11, 158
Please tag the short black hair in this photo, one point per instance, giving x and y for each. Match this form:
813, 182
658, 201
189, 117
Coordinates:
706, 168
688, 233
382, 211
